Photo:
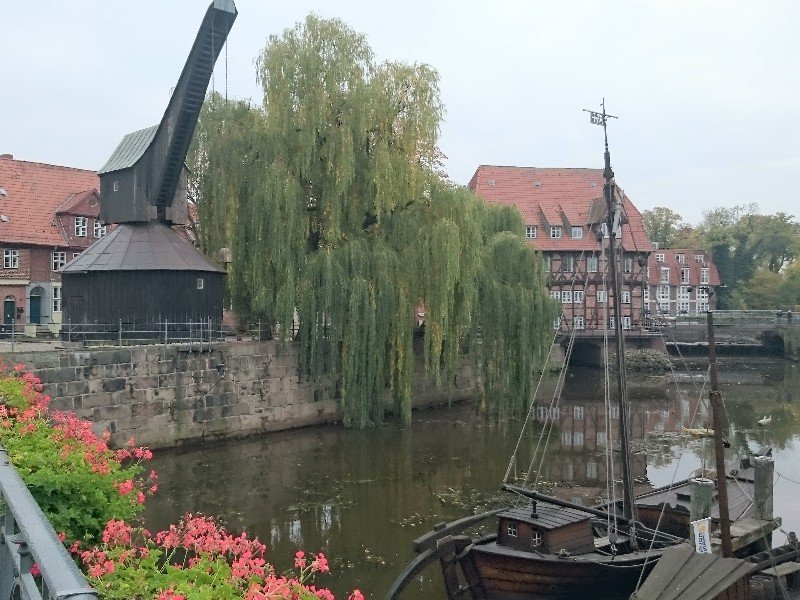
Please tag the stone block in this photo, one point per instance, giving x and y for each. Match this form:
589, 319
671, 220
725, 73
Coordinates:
72, 388
114, 384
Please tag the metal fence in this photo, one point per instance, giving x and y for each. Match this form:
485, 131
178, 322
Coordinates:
28, 538
197, 334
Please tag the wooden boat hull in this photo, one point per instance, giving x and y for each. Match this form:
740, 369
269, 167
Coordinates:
508, 574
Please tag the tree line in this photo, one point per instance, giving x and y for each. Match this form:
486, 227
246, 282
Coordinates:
756, 255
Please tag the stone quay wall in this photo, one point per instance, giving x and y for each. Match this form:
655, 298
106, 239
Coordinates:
166, 396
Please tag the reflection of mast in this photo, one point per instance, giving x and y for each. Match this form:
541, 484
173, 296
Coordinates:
613, 223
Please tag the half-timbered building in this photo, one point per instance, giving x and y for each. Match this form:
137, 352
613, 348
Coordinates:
564, 213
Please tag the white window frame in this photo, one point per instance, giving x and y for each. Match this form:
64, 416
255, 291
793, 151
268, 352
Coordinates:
702, 307
576, 232
577, 413
646, 295
602, 296
81, 226
536, 538
663, 292
56, 304
700, 258
684, 307
555, 232
530, 232
659, 257
626, 322
683, 292
566, 296
556, 294
626, 297
511, 529
679, 258
592, 263
100, 228
686, 275
568, 263
704, 274
664, 274
627, 264
59, 259
578, 322
577, 296
11, 258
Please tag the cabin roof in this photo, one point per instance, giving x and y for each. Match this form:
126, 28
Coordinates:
150, 246
683, 573
548, 516
740, 492
129, 150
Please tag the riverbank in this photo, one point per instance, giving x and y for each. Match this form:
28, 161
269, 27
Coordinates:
170, 395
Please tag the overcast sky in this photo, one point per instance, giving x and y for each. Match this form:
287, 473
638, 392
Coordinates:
707, 91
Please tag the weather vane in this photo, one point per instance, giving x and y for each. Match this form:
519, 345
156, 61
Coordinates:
601, 118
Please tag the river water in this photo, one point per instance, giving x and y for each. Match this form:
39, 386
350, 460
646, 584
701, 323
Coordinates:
361, 497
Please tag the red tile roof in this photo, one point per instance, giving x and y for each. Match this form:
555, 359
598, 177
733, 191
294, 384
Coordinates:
34, 191
689, 262
556, 196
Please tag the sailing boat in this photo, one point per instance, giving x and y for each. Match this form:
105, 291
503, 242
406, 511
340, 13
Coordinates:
546, 547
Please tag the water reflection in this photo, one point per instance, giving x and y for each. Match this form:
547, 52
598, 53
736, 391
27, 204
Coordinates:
362, 497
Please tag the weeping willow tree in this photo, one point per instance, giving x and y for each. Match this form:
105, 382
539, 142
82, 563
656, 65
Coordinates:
330, 197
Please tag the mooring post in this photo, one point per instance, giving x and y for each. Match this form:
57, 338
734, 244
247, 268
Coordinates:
764, 469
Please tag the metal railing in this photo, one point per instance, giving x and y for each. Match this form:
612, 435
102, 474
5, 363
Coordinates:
194, 333
28, 538
732, 317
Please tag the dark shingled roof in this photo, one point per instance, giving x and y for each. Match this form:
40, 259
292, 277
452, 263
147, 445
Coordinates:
129, 150
151, 246
548, 516
683, 574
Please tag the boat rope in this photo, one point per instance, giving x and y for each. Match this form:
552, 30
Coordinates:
551, 413
512, 463
789, 479
611, 487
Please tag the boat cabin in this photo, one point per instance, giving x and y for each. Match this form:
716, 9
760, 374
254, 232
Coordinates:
546, 528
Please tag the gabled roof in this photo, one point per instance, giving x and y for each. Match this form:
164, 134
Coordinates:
549, 192
129, 150
151, 246
689, 262
76, 203
34, 191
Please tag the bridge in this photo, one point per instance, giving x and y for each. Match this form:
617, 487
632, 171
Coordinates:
774, 330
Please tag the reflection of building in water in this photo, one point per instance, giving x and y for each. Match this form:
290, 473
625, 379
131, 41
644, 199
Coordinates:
585, 433
323, 518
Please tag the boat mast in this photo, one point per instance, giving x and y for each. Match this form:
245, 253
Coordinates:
613, 226
715, 398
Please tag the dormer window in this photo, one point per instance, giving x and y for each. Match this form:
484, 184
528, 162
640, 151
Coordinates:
577, 233
555, 232
81, 226
536, 539
512, 530
699, 258
99, 228
530, 232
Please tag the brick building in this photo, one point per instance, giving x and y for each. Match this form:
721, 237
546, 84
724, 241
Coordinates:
681, 282
48, 215
563, 211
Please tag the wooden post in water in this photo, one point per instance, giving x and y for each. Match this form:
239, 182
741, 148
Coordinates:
715, 398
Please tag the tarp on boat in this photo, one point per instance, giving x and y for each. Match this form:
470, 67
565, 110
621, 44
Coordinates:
683, 573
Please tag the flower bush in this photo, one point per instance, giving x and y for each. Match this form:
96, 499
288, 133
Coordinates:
93, 495
77, 479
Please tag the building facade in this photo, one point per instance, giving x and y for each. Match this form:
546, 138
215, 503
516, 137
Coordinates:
681, 281
564, 212
48, 216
